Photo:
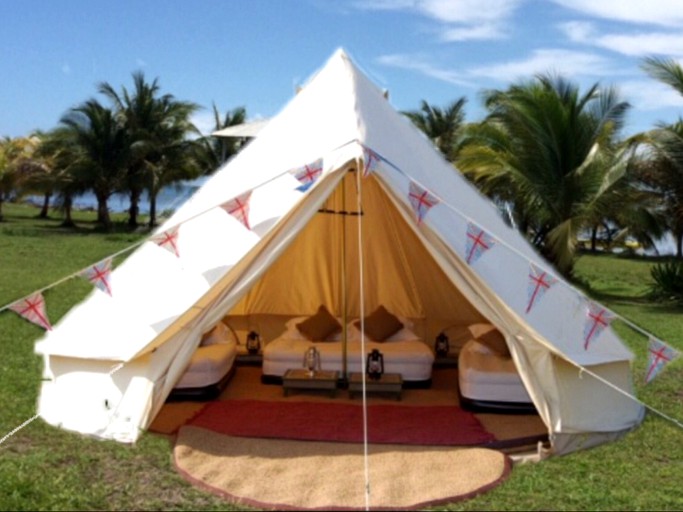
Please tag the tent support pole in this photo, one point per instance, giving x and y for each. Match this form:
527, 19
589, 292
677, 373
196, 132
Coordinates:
344, 376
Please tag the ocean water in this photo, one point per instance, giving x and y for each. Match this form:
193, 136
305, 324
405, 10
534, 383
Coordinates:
168, 199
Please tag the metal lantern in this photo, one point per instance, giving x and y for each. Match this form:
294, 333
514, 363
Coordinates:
312, 361
441, 345
253, 343
375, 364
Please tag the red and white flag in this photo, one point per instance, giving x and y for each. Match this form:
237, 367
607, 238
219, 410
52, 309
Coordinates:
478, 242
597, 319
32, 308
370, 160
168, 240
539, 283
239, 208
421, 200
99, 275
659, 355
308, 174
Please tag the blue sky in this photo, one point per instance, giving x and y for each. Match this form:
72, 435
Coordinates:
253, 53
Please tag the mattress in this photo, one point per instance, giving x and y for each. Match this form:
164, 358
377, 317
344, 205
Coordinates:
208, 365
413, 359
487, 377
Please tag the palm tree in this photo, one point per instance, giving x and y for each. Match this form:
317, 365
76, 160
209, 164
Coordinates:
156, 125
14, 154
552, 153
103, 152
442, 126
666, 171
215, 151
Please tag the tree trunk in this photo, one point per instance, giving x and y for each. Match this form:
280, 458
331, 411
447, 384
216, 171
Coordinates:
134, 209
594, 239
68, 219
152, 209
103, 211
46, 206
679, 245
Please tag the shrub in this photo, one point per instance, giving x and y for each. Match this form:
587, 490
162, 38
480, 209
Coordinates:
668, 281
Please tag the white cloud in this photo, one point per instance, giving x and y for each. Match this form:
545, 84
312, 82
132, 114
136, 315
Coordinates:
422, 65
565, 62
204, 121
462, 20
634, 44
66, 69
140, 63
650, 95
479, 32
668, 13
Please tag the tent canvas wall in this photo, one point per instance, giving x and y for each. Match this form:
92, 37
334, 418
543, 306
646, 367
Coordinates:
112, 360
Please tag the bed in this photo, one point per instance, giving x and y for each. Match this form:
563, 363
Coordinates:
488, 379
404, 352
211, 367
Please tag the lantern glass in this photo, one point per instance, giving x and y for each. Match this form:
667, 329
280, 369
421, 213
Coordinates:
375, 364
253, 343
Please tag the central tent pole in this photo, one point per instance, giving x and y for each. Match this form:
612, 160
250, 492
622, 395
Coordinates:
344, 375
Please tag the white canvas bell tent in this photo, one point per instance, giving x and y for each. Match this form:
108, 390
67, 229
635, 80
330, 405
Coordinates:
257, 239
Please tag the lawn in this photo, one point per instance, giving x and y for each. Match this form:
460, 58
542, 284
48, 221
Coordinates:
44, 468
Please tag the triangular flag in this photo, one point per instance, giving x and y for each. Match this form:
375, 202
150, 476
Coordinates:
99, 275
239, 208
478, 242
421, 200
308, 174
32, 308
539, 283
659, 355
597, 318
370, 160
168, 240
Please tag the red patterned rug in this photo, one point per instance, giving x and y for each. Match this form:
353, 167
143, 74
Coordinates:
318, 421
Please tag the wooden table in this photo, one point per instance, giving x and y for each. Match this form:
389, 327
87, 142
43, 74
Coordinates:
302, 379
389, 383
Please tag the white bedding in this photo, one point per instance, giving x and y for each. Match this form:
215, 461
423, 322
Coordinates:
208, 365
486, 376
403, 353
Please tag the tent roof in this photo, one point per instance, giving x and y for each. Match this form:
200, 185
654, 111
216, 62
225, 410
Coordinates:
250, 129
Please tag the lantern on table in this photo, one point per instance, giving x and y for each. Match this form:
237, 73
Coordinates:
375, 364
312, 361
253, 343
441, 346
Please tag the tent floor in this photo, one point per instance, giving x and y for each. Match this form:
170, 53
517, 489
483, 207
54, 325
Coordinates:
514, 431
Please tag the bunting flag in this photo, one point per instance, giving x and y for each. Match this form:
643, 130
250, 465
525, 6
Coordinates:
539, 283
99, 275
597, 318
478, 242
659, 355
168, 240
32, 308
308, 174
239, 208
421, 200
370, 159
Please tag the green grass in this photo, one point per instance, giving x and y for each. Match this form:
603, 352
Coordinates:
45, 468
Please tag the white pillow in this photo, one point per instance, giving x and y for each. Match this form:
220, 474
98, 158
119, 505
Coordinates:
403, 334
220, 334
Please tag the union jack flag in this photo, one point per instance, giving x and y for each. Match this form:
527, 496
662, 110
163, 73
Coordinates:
308, 174
659, 355
239, 208
478, 242
597, 319
539, 283
32, 308
168, 240
99, 275
371, 160
421, 200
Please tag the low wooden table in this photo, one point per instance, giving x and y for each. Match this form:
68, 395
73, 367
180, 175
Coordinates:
389, 383
302, 379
